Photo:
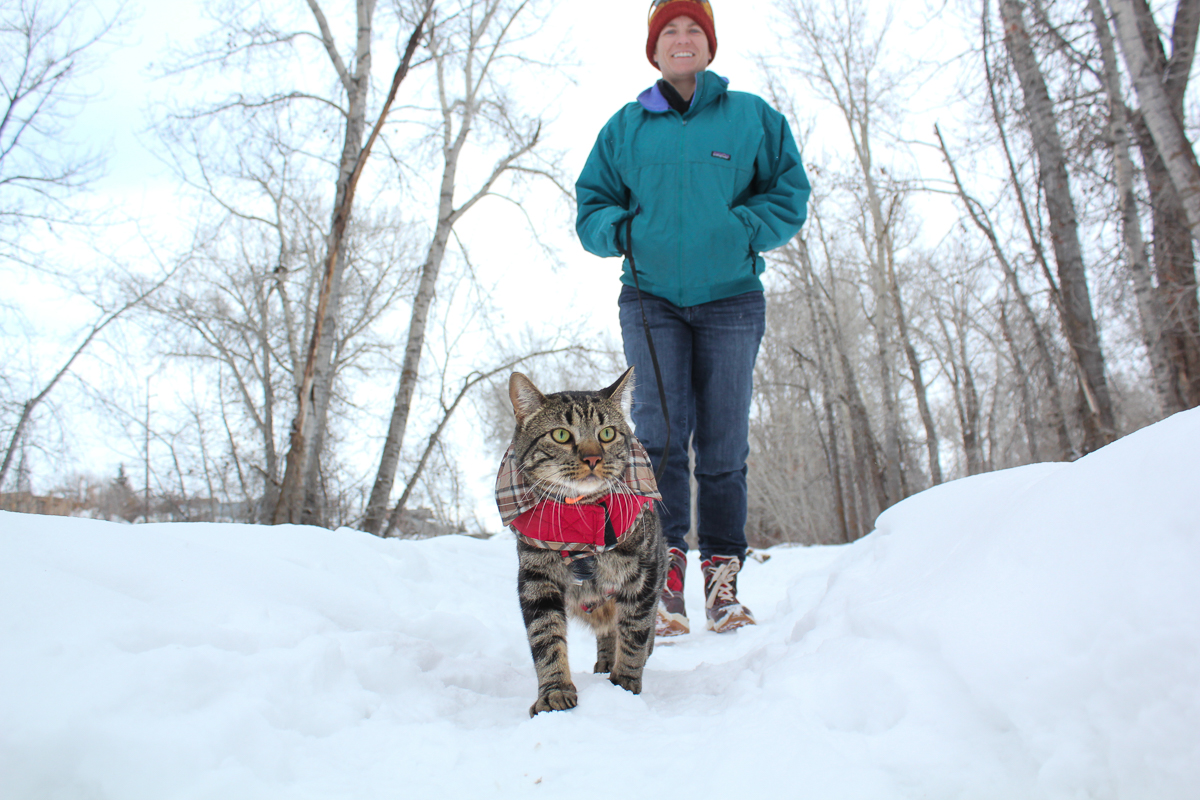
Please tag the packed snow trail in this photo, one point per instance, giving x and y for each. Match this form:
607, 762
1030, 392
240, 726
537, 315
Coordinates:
1029, 633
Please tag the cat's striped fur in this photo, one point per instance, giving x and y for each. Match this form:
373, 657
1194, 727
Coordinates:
623, 595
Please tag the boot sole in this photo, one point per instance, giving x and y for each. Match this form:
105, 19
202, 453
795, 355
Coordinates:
731, 622
667, 624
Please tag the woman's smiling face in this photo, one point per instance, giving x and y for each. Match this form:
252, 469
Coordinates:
682, 49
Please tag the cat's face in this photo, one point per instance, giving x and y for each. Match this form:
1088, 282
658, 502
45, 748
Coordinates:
572, 443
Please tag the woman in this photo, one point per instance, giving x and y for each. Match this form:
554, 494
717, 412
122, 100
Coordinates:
694, 182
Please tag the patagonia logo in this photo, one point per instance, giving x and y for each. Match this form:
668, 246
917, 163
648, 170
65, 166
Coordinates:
719, 154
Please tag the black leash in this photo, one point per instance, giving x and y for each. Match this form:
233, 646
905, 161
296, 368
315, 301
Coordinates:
662, 394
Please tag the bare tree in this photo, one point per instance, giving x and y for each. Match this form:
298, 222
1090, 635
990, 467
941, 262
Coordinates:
1056, 417
46, 48
300, 476
956, 309
236, 313
845, 58
1076, 305
30, 405
296, 129
466, 55
1161, 81
448, 408
1165, 126
1150, 307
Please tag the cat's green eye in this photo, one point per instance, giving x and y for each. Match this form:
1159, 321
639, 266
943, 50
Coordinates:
560, 435
608, 434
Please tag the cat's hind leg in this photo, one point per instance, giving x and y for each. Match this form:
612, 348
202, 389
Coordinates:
634, 638
636, 604
602, 620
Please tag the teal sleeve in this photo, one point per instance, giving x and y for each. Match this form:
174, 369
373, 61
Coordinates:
778, 203
602, 198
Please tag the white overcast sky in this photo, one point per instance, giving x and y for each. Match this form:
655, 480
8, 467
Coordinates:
602, 48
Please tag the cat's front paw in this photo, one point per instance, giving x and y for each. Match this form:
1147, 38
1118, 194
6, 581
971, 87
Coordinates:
603, 664
631, 682
555, 700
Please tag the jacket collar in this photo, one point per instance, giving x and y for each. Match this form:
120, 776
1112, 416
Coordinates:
709, 86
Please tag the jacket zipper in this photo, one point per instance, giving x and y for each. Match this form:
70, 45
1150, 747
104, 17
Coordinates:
679, 208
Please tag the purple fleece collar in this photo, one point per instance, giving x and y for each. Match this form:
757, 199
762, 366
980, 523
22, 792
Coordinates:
652, 99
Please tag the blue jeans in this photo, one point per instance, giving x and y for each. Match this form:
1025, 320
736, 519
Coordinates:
706, 354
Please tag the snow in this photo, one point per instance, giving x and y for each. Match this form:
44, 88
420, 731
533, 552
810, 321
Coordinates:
1031, 633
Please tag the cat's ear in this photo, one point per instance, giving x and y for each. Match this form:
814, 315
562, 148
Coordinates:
526, 398
622, 392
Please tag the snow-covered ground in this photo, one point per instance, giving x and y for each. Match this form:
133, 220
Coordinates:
1033, 633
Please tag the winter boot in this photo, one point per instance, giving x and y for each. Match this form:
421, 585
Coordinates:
721, 605
672, 616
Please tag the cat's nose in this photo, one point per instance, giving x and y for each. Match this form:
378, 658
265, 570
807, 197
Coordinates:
593, 461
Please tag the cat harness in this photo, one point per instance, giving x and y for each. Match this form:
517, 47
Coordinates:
576, 530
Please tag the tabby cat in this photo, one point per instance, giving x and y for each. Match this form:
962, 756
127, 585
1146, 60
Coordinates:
577, 488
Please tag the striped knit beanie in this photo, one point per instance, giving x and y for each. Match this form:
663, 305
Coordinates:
663, 11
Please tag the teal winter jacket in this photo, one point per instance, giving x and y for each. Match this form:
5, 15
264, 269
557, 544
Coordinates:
708, 190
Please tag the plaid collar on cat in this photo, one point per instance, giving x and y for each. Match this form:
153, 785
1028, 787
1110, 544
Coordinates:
579, 529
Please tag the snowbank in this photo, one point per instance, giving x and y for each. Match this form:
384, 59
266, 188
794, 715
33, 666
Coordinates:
1030, 633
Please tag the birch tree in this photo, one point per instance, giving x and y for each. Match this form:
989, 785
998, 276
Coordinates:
1076, 305
1161, 81
843, 56
1150, 307
1157, 107
291, 98
467, 54
1056, 417
298, 494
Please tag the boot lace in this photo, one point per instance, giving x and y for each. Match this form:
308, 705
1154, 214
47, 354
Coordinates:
721, 587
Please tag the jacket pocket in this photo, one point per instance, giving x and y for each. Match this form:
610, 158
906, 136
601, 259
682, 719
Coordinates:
746, 239
653, 246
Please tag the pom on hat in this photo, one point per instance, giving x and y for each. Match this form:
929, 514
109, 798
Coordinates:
663, 11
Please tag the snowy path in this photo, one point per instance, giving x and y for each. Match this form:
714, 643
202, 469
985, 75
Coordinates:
1025, 634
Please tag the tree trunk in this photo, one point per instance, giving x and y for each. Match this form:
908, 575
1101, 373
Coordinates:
1165, 127
972, 444
270, 493
1174, 255
453, 144
447, 215
1099, 424
1174, 259
1149, 304
918, 381
1057, 417
834, 457
822, 338
314, 387
418, 322
301, 480
1022, 378
879, 253
962, 383
1058, 414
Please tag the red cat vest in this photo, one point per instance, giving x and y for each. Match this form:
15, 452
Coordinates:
597, 526
575, 529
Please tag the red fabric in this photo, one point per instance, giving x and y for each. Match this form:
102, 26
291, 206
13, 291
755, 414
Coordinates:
701, 12
552, 521
675, 580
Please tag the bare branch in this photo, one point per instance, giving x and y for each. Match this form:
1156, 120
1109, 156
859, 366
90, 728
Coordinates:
30, 405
